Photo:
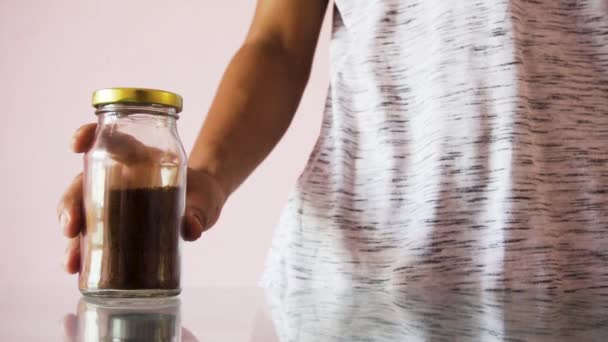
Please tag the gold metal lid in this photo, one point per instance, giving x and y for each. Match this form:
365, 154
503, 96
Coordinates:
137, 96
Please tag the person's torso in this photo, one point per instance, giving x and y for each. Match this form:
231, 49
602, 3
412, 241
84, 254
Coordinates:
464, 143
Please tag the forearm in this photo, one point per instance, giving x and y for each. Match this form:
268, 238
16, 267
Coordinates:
253, 108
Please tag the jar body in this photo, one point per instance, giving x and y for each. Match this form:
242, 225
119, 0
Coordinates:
134, 196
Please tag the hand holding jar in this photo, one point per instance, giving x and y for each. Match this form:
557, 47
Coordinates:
124, 214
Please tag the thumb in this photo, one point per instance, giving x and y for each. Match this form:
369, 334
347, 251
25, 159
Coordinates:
204, 201
195, 223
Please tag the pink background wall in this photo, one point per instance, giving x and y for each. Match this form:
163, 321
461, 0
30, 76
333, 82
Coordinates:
54, 53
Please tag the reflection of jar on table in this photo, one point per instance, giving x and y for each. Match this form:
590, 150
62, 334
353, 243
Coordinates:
143, 319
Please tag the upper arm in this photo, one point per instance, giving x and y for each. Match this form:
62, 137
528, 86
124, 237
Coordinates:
292, 26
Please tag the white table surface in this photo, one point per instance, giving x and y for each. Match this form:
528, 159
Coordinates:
39, 313
206, 314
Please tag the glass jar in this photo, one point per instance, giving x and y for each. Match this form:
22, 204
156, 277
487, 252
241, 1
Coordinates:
127, 320
134, 196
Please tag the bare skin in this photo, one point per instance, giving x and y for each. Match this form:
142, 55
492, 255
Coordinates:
253, 107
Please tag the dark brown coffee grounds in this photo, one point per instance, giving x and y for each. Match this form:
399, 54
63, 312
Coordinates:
140, 239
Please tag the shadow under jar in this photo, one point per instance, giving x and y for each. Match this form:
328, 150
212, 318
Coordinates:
134, 196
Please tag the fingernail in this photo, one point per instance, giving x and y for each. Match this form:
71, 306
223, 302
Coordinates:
198, 222
73, 144
64, 219
199, 227
197, 230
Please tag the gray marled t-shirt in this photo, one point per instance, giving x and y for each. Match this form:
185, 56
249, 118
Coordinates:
464, 144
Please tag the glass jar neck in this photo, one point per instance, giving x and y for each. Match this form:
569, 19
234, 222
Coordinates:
157, 114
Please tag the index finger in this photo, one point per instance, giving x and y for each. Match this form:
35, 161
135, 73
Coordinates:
83, 138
